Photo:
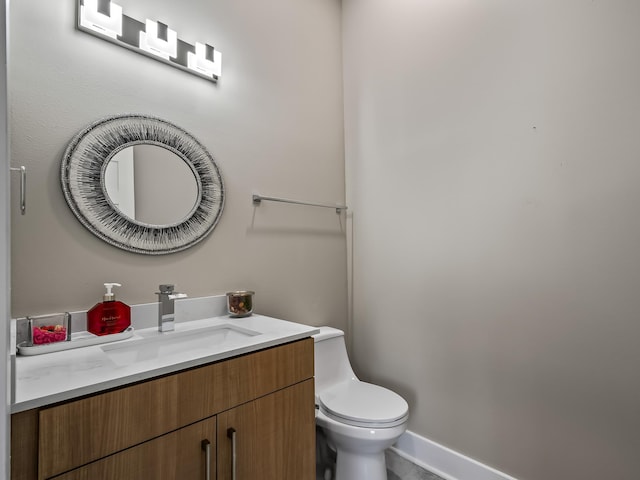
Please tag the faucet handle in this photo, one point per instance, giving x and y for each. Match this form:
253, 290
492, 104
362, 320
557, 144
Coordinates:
166, 288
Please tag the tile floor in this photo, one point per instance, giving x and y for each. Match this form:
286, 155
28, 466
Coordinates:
398, 468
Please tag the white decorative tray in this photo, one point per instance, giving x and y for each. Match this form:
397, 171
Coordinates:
78, 339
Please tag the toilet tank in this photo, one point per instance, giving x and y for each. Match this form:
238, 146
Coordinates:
331, 361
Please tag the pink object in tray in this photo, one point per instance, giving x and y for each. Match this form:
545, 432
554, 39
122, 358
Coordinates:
49, 334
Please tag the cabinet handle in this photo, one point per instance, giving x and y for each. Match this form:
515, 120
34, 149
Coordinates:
231, 433
23, 187
206, 446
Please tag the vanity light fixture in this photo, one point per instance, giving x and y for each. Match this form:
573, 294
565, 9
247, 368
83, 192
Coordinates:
206, 60
104, 19
159, 39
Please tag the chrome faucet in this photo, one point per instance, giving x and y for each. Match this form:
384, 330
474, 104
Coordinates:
166, 307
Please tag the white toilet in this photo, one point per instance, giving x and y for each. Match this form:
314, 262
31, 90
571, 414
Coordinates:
360, 420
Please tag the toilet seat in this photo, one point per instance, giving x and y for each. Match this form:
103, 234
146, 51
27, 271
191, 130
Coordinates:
363, 404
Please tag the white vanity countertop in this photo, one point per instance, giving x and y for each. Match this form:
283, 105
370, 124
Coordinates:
53, 377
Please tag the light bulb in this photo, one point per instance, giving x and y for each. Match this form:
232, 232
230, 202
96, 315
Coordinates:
109, 25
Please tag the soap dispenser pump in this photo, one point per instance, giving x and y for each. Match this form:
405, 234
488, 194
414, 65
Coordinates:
109, 316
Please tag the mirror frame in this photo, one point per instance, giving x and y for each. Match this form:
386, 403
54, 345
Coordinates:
82, 175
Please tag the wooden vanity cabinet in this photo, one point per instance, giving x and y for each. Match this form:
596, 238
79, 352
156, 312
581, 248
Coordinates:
162, 428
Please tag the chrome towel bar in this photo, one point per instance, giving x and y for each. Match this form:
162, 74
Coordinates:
257, 199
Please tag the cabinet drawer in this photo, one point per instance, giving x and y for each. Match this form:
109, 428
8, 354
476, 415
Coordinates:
174, 456
206, 391
78, 432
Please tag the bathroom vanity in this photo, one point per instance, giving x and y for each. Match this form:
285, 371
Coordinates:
235, 415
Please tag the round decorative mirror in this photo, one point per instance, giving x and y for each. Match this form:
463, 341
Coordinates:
142, 184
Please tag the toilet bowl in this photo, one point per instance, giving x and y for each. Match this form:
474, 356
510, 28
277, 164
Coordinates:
360, 420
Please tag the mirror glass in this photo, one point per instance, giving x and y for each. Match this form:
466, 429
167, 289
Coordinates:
151, 184
142, 184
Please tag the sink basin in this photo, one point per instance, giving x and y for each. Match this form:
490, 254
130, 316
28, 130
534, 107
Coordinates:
172, 343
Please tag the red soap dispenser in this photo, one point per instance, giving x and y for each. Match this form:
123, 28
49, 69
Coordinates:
110, 316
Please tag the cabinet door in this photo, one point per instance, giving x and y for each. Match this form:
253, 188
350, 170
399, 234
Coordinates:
180, 455
274, 437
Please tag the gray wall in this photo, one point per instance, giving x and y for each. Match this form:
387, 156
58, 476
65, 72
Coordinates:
274, 123
492, 157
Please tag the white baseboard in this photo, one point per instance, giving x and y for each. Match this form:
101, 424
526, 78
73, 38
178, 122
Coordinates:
443, 461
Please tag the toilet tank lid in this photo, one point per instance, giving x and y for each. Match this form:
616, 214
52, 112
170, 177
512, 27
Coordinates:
327, 333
